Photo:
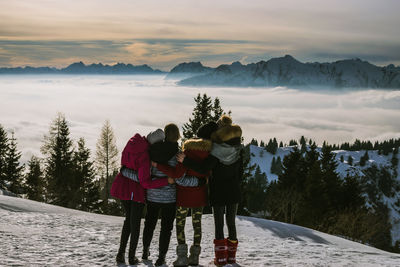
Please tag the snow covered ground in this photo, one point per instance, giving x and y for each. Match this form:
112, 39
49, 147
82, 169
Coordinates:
37, 234
259, 156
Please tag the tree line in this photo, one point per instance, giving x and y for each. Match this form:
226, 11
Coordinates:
66, 175
309, 192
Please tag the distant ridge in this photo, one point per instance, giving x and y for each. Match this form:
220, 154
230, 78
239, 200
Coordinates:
81, 68
281, 71
287, 71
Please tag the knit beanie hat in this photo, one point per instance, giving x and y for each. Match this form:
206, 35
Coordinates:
156, 136
206, 130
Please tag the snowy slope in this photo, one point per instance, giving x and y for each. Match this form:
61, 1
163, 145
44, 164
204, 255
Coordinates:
37, 234
259, 156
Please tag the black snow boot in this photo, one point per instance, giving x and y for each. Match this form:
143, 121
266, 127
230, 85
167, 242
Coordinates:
146, 254
160, 261
120, 258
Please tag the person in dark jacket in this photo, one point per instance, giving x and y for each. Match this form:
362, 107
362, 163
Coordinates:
226, 164
161, 200
190, 198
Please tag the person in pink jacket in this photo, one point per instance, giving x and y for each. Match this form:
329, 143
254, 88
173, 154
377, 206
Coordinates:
135, 157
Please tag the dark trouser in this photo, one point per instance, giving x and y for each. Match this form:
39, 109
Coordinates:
230, 221
181, 214
131, 227
167, 223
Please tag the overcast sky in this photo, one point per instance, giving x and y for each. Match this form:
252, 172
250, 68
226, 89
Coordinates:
164, 33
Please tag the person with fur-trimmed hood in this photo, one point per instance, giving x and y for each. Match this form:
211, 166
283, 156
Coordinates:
193, 198
226, 165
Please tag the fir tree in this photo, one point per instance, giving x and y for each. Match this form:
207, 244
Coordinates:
262, 144
201, 115
248, 171
34, 183
217, 110
293, 143
303, 144
364, 158
86, 195
341, 158
254, 142
395, 160
13, 169
106, 158
273, 167
350, 160
278, 166
58, 150
3, 150
281, 144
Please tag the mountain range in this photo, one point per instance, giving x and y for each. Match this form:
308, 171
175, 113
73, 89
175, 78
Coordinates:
281, 71
81, 68
287, 71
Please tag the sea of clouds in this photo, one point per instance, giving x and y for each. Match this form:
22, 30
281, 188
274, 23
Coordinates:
135, 103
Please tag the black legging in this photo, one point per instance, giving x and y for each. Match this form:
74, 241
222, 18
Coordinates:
131, 227
230, 221
168, 211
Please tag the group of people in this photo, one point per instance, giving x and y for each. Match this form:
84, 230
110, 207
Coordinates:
155, 174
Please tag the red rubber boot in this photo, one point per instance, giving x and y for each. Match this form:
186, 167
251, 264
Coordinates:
221, 252
232, 248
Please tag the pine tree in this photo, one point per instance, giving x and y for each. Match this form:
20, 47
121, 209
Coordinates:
106, 158
281, 144
303, 144
58, 150
275, 145
341, 158
3, 150
13, 169
86, 196
273, 167
292, 142
34, 184
364, 158
254, 142
278, 166
262, 144
395, 160
204, 111
217, 110
201, 115
350, 160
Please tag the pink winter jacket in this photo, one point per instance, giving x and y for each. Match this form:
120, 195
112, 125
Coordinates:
136, 157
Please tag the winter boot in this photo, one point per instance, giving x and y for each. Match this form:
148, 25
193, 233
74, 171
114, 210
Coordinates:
132, 259
232, 248
146, 254
120, 257
194, 255
160, 261
221, 252
181, 251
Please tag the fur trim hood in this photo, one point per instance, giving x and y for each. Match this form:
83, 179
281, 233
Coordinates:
226, 133
197, 144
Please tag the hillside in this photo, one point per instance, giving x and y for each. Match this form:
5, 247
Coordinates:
262, 158
37, 234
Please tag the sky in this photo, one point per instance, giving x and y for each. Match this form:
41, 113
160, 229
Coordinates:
164, 33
